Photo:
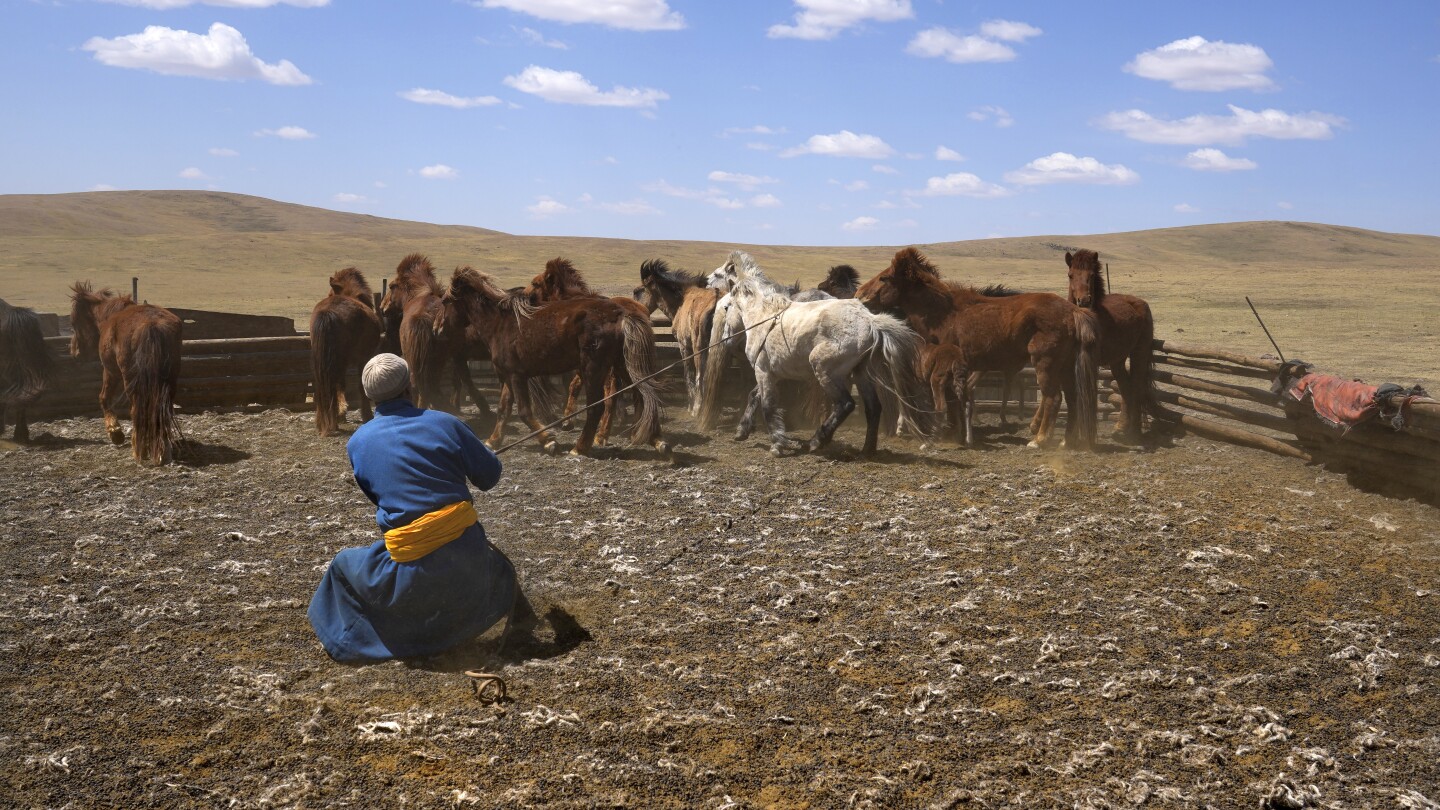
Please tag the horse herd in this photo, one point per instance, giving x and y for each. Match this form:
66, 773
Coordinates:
907, 341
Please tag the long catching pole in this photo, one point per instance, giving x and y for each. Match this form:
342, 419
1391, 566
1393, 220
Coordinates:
1267, 331
532, 434
1107, 278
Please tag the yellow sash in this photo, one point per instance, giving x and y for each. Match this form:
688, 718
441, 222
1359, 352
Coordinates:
429, 532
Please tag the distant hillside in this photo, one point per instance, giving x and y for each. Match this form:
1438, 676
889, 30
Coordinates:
1357, 301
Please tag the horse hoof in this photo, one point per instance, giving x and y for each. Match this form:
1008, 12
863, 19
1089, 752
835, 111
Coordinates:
1034, 445
550, 448
566, 425
575, 451
814, 444
664, 448
117, 437
776, 451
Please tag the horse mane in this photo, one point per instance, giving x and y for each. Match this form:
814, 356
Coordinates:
842, 277
351, 282
89, 310
416, 274
562, 280
998, 291
483, 286
1090, 260
659, 270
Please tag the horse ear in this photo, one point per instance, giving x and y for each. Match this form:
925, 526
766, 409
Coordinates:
1068, 258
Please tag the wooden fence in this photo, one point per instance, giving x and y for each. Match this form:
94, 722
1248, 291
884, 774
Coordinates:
1212, 393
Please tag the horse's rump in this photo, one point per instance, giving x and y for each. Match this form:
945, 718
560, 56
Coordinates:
26, 364
147, 339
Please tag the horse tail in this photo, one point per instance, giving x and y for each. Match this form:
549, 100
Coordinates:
27, 365
639, 364
899, 347
1087, 373
150, 383
419, 347
327, 363
718, 352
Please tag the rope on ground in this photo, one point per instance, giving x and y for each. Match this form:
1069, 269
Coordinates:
489, 687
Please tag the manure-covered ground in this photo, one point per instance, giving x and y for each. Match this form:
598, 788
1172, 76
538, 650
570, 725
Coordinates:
1190, 626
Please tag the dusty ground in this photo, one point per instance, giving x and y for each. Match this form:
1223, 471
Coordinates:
1187, 627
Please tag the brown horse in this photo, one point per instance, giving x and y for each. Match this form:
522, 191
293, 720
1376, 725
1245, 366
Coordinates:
690, 305
26, 365
344, 333
999, 334
841, 282
138, 346
595, 335
1127, 331
411, 310
561, 281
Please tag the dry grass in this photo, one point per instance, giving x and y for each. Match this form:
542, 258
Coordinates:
1355, 302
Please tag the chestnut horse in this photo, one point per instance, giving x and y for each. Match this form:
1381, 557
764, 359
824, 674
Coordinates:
1127, 331
411, 311
138, 346
1000, 334
560, 281
344, 333
26, 365
595, 335
690, 306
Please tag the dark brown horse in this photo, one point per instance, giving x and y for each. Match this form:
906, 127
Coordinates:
138, 346
1127, 331
841, 282
344, 334
690, 306
595, 335
999, 334
26, 365
411, 311
561, 281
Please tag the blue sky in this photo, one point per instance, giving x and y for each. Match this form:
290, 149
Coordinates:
832, 122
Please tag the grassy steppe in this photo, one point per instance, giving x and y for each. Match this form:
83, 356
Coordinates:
1356, 302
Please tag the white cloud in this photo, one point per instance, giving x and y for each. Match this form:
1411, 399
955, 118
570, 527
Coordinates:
1186, 208
823, 19
960, 184
747, 182
946, 153
1009, 31
220, 54
610, 160
547, 206
421, 95
534, 37
956, 48
631, 208
220, 151
193, 173
163, 5
765, 201
858, 185
1285, 206
1199, 64
758, 129
350, 199
1213, 160
630, 15
1002, 118
439, 172
1063, 167
760, 147
861, 224
1232, 129
569, 87
712, 196
288, 133
102, 187
881, 168
842, 144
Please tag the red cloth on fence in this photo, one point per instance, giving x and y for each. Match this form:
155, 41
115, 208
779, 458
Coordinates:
1340, 403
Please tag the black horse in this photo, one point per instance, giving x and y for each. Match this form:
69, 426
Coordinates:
26, 365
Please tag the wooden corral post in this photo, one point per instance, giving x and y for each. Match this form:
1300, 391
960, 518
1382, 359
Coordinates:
135, 288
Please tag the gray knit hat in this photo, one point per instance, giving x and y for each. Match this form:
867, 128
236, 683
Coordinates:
385, 377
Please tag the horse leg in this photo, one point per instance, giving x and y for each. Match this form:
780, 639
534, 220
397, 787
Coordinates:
963, 385
1007, 382
841, 406
520, 389
506, 396
941, 402
1127, 396
1049, 405
871, 398
779, 442
571, 399
109, 387
595, 372
747, 419
602, 434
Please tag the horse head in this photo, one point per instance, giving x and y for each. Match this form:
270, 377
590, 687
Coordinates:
413, 276
350, 282
841, 281
646, 298
85, 318
1086, 288
886, 291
